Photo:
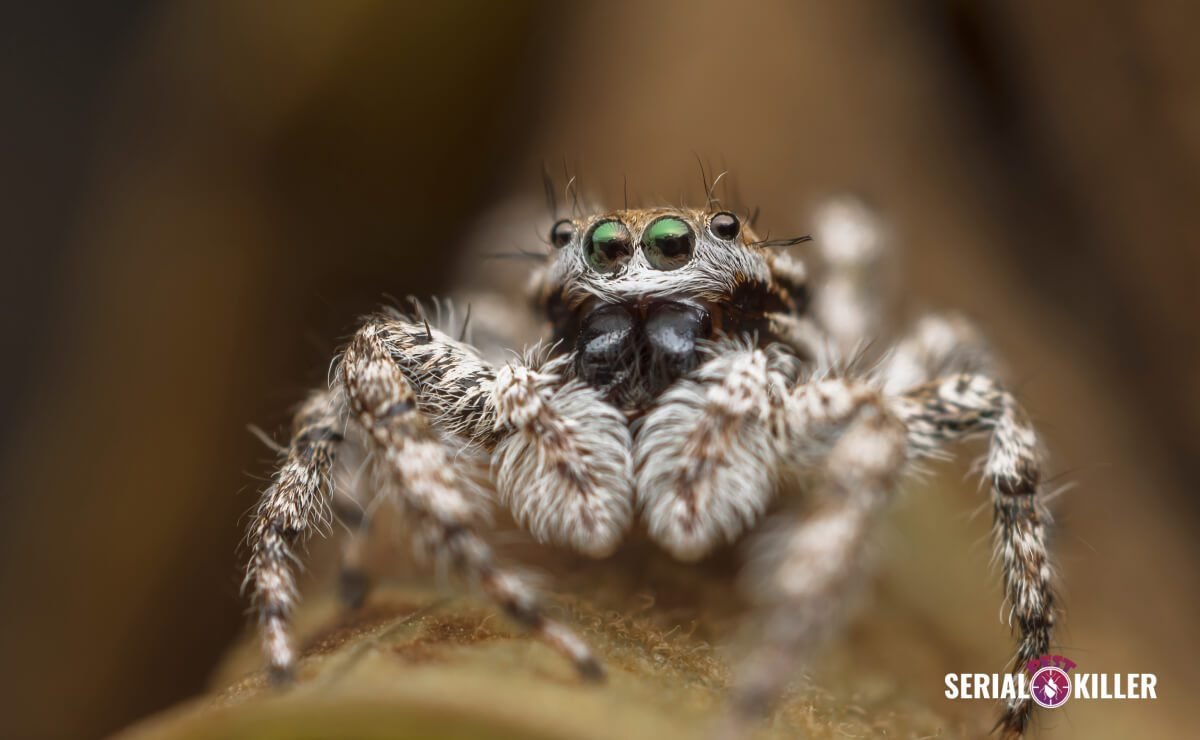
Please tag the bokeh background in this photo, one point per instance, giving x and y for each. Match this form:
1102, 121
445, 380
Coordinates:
200, 197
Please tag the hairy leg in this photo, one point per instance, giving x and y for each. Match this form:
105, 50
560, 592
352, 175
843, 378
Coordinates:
560, 452
794, 324
803, 571
353, 582
414, 460
937, 345
296, 502
706, 455
963, 405
849, 304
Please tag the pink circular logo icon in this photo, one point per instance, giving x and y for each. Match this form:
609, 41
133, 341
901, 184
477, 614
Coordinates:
1050, 687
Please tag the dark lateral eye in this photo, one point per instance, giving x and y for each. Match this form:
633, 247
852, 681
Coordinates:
562, 233
669, 242
724, 225
608, 246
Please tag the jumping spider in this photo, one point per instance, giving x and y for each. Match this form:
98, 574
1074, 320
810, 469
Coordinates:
688, 373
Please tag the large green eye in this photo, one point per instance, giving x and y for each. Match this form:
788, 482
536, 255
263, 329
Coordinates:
608, 246
668, 243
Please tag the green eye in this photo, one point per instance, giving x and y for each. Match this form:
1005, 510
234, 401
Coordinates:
669, 242
609, 245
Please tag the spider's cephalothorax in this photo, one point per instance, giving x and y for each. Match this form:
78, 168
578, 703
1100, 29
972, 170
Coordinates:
635, 293
690, 384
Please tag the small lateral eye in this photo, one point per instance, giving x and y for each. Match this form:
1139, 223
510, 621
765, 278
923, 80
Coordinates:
724, 225
668, 243
608, 246
561, 233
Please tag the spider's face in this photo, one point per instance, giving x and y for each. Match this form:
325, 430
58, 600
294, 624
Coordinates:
635, 292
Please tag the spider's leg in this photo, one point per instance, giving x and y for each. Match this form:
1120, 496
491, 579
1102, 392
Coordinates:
563, 466
294, 503
962, 405
803, 570
706, 455
792, 322
848, 304
378, 371
353, 582
802, 335
937, 345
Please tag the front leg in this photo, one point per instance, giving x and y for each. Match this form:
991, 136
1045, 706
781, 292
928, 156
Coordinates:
415, 464
375, 388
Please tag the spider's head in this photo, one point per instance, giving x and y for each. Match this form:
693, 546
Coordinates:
636, 292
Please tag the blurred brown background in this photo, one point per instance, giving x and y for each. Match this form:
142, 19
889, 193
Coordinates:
201, 197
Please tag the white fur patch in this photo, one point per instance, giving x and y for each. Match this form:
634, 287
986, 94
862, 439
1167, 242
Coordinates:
705, 456
565, 472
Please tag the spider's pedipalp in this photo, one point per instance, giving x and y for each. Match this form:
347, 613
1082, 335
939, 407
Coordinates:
564, 471
706, 455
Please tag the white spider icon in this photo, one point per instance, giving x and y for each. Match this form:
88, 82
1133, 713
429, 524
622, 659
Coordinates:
1050, 689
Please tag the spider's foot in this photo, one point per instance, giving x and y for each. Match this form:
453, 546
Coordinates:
591, 670
353, 587
281, 677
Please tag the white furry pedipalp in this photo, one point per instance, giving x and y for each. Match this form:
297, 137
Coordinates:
706, 458
565, 475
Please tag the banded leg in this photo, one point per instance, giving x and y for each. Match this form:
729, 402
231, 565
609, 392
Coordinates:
706, 456
964, 405
803, 572
296, 502
413, 460
560, 452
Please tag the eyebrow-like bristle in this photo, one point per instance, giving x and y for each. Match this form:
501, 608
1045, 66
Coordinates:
571, 191
711, 198
462, 334
775, 243
704, 179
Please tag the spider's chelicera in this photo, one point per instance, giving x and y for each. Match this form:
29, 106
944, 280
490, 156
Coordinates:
688, 373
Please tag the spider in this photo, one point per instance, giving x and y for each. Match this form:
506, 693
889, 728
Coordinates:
693, 373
